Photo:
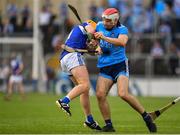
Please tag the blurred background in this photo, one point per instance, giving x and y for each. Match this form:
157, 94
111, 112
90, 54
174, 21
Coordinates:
32, 29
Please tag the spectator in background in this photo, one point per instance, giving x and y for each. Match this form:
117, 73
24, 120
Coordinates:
25, 13
125, 12
112, 3
165, 33
16, 77
139, 20
176, 9
64, 17
174, 59
93, 12
44, 22
56, 42
159, 6
168, 15
157, 51
28, 26
12, 14
44, 19
7, 28
100, 9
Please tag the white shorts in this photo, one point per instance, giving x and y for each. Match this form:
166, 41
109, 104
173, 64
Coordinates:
70, 61
16, 78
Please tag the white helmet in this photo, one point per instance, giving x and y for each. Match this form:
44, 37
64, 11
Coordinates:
111, 13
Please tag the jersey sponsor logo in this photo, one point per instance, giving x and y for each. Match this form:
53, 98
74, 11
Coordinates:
105, 44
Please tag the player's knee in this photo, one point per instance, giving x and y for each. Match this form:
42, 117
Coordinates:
100, 95
123, 95
85, 87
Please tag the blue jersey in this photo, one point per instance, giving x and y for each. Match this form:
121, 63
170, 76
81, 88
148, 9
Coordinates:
112, 54
15, 65
76, 39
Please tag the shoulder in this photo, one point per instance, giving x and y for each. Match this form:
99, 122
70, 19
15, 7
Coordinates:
78, 28
122, 29
99, 25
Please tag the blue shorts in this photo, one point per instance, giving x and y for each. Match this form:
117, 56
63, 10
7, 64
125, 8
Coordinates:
114, 71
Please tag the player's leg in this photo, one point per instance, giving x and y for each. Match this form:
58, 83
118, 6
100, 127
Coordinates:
73, 64
85, 102
122, 84
19, 81
80, 74
84, 97
82, 82
102, 89
21, 90
9, 88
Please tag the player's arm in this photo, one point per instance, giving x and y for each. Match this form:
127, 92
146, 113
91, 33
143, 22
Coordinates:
21, 67
120, 41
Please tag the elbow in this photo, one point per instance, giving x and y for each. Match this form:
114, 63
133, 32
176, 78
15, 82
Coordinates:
122, 44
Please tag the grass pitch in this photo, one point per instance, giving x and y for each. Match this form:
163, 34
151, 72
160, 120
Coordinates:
38, 114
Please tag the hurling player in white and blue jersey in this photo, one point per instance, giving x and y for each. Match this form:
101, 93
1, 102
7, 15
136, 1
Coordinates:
15, 77
113, 65
73, 64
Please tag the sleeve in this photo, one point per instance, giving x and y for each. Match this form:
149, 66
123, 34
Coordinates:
123, 30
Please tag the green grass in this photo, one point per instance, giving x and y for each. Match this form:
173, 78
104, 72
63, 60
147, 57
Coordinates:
38, 114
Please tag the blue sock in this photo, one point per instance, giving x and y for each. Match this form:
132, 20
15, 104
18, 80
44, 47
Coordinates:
90, 118
108, 122
66, 100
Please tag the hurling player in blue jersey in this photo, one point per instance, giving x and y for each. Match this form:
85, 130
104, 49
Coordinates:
73, 64
15, 77
113, 65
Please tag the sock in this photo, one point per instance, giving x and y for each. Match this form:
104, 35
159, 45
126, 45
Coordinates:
146, 116
89, 118
108, 122
66, 100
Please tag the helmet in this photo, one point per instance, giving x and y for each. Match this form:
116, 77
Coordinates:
111, 13
92, 23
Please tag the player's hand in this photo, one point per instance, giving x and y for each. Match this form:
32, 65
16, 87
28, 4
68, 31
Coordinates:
92, 45
99, 35
18, 72
98, 51
94, 42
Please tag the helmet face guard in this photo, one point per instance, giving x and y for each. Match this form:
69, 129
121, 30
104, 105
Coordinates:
111, 14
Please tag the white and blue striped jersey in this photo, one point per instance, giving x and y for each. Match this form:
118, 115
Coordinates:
15, 65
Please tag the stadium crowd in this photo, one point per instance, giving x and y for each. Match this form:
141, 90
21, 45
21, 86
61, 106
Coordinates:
157, 16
